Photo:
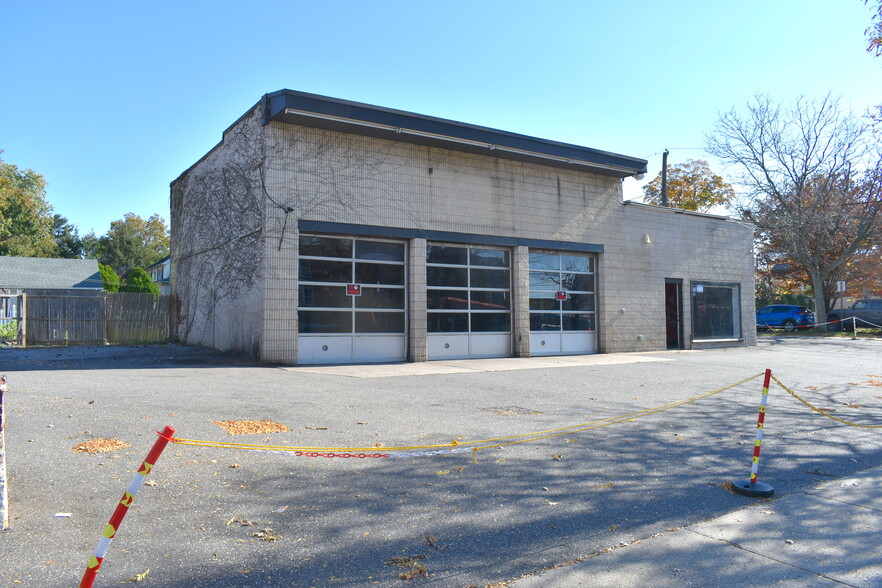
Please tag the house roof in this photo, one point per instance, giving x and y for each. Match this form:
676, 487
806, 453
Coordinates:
162, 261
49, 273
312, 110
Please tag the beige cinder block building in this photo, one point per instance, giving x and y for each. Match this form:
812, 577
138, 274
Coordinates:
326, 231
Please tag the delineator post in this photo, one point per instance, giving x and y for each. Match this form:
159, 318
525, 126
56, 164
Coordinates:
751, 487
123, 507
4, 494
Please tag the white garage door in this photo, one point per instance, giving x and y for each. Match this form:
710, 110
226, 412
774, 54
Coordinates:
468, 301
351, 305
562, 303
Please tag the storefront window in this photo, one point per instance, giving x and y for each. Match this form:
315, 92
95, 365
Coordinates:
716, 311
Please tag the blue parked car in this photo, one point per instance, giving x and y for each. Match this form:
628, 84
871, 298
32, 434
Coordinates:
785, 316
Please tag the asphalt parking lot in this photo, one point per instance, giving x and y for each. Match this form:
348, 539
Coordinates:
225, 517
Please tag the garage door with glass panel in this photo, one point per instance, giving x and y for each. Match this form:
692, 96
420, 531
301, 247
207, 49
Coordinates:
468, 301
562, 303
351, 304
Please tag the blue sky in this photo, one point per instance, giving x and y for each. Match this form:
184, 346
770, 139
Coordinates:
111, 101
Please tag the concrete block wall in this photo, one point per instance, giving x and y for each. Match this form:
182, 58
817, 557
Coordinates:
682, 246
217, 243
346, 178
417, 347
280, 291
520, 296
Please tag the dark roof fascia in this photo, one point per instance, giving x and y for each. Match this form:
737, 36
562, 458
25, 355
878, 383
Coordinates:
312, 110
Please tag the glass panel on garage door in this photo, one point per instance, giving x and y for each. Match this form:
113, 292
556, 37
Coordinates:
468, 301
351, 300
563, 303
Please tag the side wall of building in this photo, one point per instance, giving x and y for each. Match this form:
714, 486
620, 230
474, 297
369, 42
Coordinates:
217, 243
322, 175
681, 246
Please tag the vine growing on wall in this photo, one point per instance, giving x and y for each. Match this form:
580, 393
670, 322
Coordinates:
253, 189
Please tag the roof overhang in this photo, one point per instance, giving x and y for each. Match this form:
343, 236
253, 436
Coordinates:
312, 110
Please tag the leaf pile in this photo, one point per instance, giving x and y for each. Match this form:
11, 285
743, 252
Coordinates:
100, 446
251, 427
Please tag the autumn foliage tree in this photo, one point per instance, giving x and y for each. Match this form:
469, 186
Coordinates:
692, 186
812, 176
826, 241
864, 273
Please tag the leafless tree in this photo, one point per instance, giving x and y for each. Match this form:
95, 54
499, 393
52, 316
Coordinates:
810, 175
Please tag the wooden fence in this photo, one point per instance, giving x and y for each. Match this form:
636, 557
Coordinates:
70, 317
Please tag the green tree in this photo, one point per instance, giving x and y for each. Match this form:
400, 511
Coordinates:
67, 238
25, 215
91, 246
139, 280
133, 242
109, 278
691, 186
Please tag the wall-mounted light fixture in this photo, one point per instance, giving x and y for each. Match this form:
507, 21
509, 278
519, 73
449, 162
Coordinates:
647, 240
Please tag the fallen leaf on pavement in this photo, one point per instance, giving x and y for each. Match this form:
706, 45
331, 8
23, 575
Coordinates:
100, 446
267, 535
432, 541
404, 561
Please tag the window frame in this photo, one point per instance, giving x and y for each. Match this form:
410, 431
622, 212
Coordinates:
353, 308
563, 314
735, 318
483, 270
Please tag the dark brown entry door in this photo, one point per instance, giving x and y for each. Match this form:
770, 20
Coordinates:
673, 314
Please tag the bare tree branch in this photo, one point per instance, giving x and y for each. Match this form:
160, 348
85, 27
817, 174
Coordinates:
810, 173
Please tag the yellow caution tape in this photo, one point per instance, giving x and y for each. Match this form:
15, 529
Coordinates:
822, 411
481, 443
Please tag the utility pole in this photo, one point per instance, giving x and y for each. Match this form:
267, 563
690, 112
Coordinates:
664, 186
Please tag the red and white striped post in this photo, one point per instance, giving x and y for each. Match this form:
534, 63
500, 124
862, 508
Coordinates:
751, 487
4, 493
123, 507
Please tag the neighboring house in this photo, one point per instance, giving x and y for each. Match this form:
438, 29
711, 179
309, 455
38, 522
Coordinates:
40, 273
321, 230
160, 273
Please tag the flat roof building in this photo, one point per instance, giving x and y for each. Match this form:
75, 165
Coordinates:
326, 231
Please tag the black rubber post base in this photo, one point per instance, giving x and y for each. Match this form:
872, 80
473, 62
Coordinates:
755, 490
